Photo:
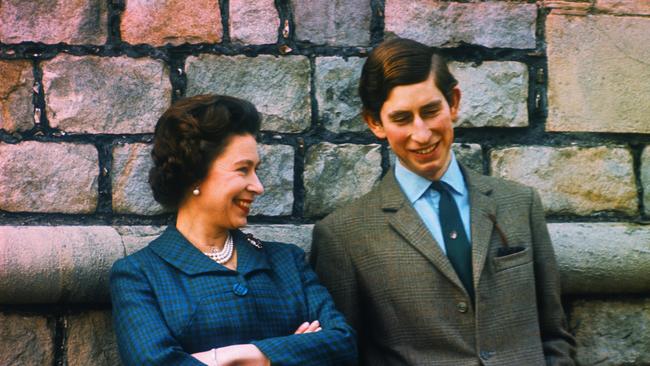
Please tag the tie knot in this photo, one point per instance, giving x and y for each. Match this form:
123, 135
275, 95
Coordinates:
439, 186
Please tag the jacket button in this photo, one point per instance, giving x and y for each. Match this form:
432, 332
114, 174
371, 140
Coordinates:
462, 306
239, 289
486, 355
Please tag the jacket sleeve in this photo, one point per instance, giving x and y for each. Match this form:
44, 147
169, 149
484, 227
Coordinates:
335, 344
143, 337
557, 342
332, 263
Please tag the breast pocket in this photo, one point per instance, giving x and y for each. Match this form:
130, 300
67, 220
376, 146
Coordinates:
513, 260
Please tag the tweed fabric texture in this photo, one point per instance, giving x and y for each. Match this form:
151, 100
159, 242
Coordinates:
400, 292
170, 300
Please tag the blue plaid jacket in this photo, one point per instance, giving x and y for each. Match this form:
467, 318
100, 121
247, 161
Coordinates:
170, 300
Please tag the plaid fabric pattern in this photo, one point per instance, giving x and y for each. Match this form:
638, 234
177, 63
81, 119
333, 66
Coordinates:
170, 300
400, 292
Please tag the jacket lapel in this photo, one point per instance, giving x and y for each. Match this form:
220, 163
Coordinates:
482, 206
409, 225
172, 247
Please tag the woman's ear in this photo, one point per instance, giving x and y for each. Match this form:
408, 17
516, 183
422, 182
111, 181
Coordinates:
375, 126
455, 103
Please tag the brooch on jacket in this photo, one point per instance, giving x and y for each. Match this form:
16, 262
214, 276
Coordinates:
257, 243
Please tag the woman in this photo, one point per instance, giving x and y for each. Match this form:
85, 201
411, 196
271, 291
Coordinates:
204, 292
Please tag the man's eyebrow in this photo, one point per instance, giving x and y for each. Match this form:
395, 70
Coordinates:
398, 114
433, 105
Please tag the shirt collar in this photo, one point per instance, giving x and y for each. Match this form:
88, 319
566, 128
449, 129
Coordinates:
414, 185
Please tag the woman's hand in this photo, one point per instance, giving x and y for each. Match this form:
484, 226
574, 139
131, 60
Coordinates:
308, 327
236, 355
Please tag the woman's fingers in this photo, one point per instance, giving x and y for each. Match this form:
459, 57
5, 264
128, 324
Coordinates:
308, 327
302, 328
313, 326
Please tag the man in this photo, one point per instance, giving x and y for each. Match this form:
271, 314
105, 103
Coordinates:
439, 265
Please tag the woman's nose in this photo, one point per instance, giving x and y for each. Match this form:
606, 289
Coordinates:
256, 185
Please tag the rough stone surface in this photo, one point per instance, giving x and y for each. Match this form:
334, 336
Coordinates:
638, 7
48, 177
645, 178
470, 155
337, 174
130, 180
278, 86
572, 180
598, 74
91, 340
612, 332
56, 264
16, 110
336, 83
602, 258
253, 22
116, 95
26, 340
494, 94
441, 23
171, 22
337, 22
292, 234
47, 21
276, 174
138, 237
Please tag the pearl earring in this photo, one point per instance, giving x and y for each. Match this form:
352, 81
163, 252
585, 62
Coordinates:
196, 191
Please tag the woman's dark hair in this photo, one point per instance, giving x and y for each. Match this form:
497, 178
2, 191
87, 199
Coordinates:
189, 136
397, 62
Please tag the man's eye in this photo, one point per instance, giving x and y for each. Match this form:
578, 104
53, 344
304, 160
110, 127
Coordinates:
243, 170
429, 113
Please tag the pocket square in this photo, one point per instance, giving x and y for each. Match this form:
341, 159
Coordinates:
503, 251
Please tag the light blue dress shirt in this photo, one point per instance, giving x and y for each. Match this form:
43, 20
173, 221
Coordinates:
426, 201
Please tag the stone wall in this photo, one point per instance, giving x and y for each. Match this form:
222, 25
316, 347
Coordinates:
555, 95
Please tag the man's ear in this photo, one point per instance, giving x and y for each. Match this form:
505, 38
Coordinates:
375, 126
455, 103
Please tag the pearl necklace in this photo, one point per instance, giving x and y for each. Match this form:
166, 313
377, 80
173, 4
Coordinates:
222, 256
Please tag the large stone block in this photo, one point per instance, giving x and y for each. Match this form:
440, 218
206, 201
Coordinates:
336, 83
573, 180
130, 180
645, 178
494, 94
598, 73
91, 340
171, 22
637, 7
338, 22
47, 21
137, 237
276, 174
292, 234
337, 174
56, 264
26, 340
278, 86
605, 258
253, 22
16, 110
612, 332
442, 23
115, 95
48, 177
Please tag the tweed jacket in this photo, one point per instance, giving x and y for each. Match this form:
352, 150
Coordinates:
399, 291
170, 300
